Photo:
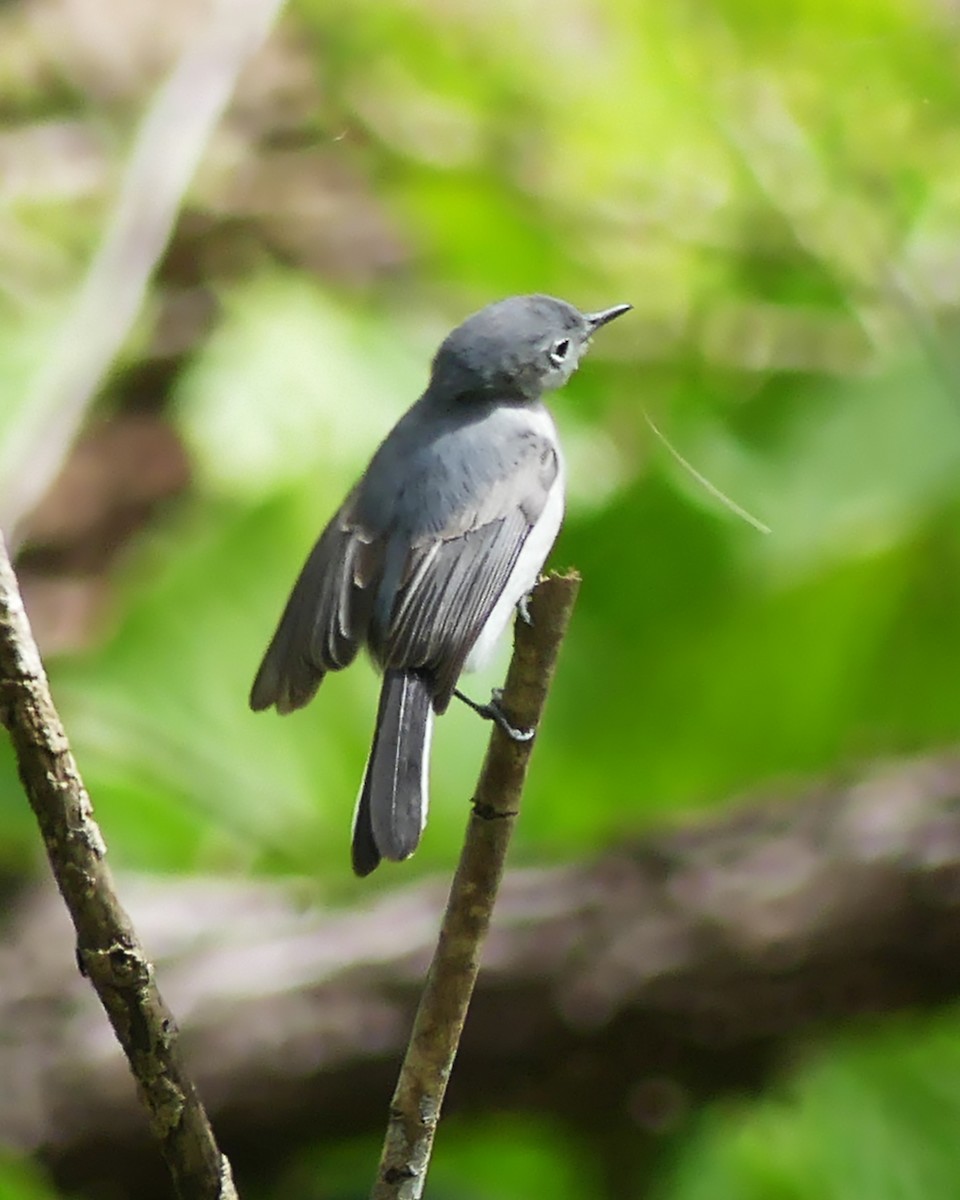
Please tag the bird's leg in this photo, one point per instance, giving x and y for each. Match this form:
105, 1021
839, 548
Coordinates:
493, 712
523, 607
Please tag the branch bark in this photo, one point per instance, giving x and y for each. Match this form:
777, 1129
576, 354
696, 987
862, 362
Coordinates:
108, 950
417, 1101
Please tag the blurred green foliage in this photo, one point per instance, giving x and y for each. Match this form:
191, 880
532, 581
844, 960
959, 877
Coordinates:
775, 188
18, 1181
486, 1158
875, 1117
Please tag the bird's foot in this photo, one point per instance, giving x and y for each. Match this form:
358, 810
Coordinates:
491, 711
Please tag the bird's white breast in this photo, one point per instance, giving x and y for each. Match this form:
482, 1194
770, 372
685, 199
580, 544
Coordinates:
534, 552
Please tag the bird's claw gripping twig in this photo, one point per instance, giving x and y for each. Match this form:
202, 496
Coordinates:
491, 711
523, 608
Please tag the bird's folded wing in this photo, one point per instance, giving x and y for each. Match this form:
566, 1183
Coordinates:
325, 619
437, 587
453, 578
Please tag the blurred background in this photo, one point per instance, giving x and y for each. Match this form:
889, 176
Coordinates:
728, 955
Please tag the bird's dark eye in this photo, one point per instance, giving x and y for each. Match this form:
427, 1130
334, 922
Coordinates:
559, 351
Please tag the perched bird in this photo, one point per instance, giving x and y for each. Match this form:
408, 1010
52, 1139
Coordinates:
443, 536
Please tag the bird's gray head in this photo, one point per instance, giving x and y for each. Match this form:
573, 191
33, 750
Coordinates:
516, 349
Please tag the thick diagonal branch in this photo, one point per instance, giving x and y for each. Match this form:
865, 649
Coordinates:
415, 1109
108, 950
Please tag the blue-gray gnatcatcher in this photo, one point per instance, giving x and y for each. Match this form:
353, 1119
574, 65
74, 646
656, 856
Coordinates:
440, 540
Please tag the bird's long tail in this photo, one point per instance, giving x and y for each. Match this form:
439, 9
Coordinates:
392, 807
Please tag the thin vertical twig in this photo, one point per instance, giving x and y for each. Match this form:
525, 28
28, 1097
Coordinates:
415, 1109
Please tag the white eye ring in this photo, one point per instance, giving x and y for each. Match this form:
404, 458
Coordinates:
559, 351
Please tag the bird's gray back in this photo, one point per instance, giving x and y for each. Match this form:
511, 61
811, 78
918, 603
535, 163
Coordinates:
445, 470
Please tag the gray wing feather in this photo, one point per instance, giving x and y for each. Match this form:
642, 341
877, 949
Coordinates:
324, 622
453, 581
419, 597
